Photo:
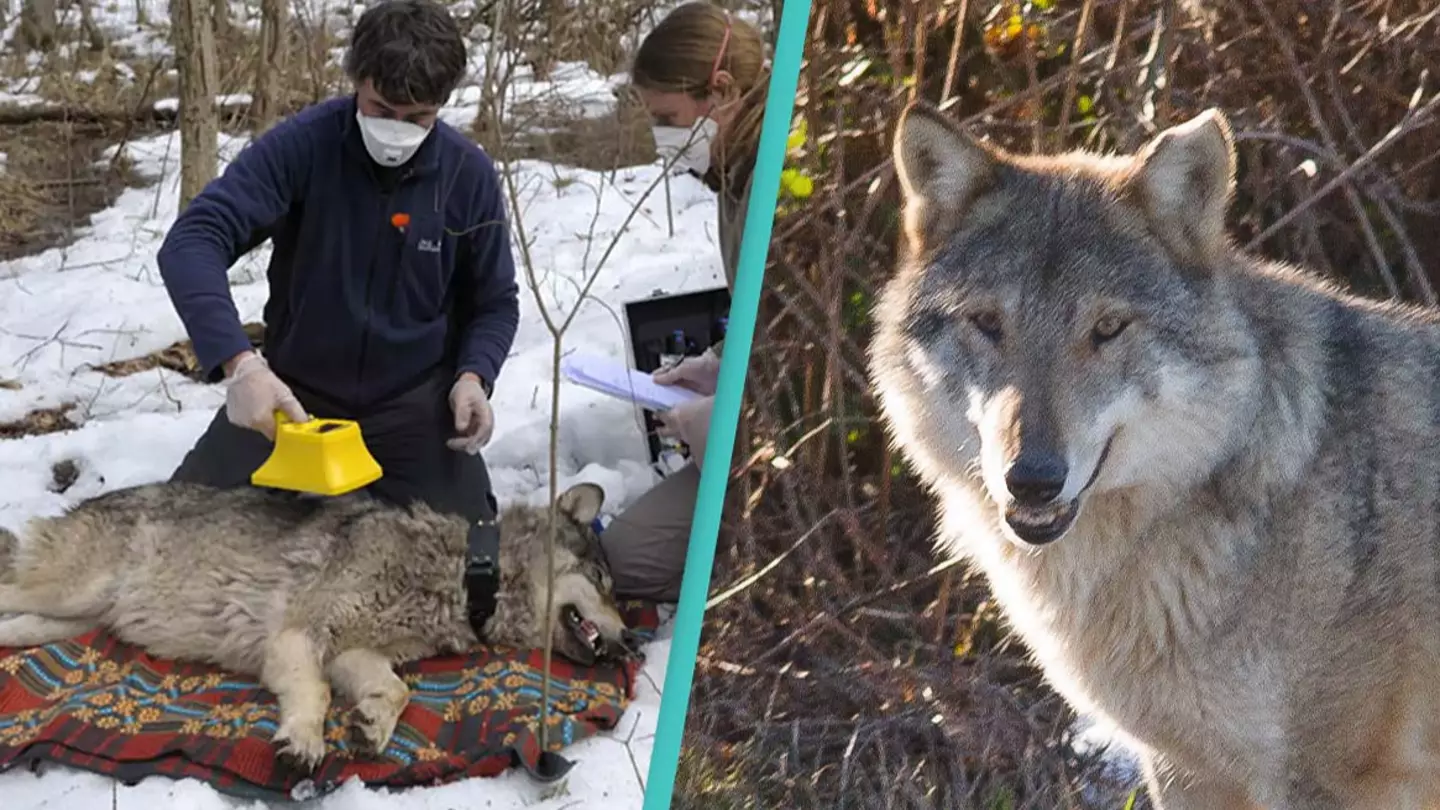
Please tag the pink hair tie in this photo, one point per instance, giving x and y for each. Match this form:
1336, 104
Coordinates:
724, 43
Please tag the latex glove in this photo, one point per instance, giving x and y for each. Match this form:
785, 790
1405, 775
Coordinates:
690, 423
474, 419
255, 394
699, 373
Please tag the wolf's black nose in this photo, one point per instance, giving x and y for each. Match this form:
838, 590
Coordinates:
1036, 479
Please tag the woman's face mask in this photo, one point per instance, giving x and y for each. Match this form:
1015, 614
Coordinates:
686, 148
389, 141
684, 128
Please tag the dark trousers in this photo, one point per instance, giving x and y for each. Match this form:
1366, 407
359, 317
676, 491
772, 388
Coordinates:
646, 544
406, 435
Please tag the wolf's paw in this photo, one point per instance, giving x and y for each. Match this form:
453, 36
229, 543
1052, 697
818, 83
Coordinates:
300, 746
377, 714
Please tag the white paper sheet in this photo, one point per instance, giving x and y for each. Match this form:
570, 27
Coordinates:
622, 382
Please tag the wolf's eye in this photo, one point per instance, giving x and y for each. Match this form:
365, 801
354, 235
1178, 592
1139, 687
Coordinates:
988, 322
1108, 328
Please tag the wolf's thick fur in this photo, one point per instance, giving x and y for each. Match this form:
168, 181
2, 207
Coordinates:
304, 593
1204, 487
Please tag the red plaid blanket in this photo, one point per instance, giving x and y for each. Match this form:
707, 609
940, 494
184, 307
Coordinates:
94, 703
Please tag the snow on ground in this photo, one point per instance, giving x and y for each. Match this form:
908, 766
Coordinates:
100, 299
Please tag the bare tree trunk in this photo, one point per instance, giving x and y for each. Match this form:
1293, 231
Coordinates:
270, 64
546, 46
87, 24
38, 23
220, 12
194, 44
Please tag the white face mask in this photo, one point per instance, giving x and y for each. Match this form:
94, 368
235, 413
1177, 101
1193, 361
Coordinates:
688, 147
390, 142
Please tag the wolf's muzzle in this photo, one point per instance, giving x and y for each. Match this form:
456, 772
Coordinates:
1036, 479
1034, 513
596, 644
1041, 526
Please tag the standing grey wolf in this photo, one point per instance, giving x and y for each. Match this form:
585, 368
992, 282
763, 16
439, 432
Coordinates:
1204, 487
304, 593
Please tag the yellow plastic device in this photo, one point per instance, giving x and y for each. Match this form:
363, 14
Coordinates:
321, 457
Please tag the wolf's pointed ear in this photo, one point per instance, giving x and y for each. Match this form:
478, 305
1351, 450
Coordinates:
582, 502
1184, 180
941, 171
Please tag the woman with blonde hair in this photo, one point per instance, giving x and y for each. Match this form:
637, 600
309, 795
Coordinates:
702, 74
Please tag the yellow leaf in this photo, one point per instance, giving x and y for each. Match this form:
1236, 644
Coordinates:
797, 137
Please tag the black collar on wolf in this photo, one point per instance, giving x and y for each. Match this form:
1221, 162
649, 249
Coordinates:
482, 572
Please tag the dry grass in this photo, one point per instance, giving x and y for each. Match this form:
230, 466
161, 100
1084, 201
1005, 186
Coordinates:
178, 357
560, 132
109, 91
117, 82
850, 675
53, 180
20, 204
40, 422
105, 93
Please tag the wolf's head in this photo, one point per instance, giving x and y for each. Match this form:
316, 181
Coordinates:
585, 621
1058, 327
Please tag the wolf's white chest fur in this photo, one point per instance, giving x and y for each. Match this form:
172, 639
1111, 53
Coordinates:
1130, 637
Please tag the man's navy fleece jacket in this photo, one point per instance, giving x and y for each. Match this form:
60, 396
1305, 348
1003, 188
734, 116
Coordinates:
379, 279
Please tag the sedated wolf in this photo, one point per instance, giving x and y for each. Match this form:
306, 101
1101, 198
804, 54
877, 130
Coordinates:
1204, 487
304, 593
